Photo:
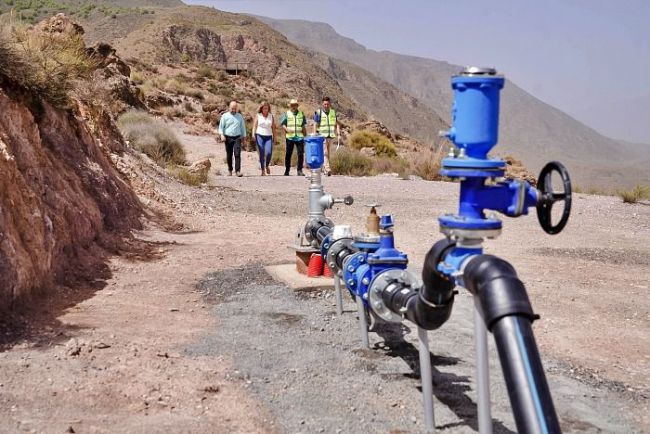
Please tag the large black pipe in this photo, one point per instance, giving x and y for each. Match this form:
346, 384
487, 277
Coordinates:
430, 306
321, 232
508, 314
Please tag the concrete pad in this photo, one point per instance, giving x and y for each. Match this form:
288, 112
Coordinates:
287, 274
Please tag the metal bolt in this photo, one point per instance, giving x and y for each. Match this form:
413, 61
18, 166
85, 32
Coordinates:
351, 282
365, 281
365, 296
350, 268
361, 259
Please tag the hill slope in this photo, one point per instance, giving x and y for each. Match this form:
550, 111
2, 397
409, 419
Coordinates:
530, 128
211, 36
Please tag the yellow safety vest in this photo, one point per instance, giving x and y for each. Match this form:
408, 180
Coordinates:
327, 127
294, 124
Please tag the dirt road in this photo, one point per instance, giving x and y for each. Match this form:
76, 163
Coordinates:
195, 337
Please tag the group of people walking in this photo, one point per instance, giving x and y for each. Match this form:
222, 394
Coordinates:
232, 131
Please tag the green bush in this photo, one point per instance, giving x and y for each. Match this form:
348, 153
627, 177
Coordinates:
635, 194
151, 137
370, 139
351, 162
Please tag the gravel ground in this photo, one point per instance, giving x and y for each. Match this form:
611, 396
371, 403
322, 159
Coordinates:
140, 350
307, 365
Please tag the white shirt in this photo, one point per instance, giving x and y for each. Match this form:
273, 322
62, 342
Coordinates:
264, 125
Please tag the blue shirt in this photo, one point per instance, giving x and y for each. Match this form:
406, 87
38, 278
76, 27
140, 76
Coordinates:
232, 125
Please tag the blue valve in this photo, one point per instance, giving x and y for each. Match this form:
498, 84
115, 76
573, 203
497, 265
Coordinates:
314, 151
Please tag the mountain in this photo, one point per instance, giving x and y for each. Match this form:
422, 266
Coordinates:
168, 32
531, 129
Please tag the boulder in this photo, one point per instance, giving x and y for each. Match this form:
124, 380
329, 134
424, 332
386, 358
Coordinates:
200, 167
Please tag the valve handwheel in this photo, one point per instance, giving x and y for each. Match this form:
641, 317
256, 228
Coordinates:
549, 197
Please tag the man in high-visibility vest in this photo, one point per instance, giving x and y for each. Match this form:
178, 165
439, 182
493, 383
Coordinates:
294, 123
328, 127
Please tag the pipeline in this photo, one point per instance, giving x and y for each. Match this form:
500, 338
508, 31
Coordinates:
508, 314
429, 307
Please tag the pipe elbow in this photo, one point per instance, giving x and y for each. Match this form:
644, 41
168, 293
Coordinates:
499, 289
434, 302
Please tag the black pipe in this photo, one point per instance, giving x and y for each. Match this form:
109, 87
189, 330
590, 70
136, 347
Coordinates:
430, 306
321, 232
508, 314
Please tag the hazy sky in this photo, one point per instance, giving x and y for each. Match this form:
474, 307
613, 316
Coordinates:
590, 58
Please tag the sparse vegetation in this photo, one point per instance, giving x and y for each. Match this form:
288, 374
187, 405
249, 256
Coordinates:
44, 63
205, 71
151, 137
137, 77
636, 194
184, 175
351, 162
428, 166
370, 139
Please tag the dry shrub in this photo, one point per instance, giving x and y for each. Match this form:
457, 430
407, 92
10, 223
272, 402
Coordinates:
46, 63
137, 77
151, 137
369, 139
183, 174
351, 162
175, 86
635, 194
205, 71
392, 165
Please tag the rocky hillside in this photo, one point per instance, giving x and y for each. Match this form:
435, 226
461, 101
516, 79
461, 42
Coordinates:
530, 129
185, 37
64, 204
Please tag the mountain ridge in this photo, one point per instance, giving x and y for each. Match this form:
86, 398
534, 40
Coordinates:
530, 128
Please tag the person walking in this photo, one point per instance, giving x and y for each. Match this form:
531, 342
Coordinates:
232, 131
328, 127
264, 134
294, 123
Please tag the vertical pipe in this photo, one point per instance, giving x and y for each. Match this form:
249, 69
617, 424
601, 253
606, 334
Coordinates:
427, 379
482, 371
339, 295
363, 323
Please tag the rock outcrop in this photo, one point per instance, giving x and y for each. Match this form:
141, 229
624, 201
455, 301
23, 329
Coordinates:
62, 202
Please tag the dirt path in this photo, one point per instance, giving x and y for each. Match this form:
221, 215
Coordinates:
150, 353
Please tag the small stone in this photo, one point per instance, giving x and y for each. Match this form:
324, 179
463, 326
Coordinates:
173, 309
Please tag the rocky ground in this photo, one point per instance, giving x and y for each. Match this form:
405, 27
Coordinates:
193, 336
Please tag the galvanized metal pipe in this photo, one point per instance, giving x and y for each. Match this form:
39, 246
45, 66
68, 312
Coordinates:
427, 379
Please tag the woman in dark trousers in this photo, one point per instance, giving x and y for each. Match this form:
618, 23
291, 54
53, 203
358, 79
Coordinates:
264, 134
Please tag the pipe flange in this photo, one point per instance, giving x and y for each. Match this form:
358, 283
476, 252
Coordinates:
367, 238
333, 252
381, 283
312, 225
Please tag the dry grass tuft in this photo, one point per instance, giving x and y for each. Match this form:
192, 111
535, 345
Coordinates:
183, 174
47, 64
635, 194
351, 162
151, 137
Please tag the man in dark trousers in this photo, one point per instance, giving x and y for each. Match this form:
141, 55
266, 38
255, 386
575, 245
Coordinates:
232, 130
294, 123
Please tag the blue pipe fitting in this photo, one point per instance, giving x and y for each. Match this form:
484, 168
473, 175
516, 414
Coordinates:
364, 266
314, 151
